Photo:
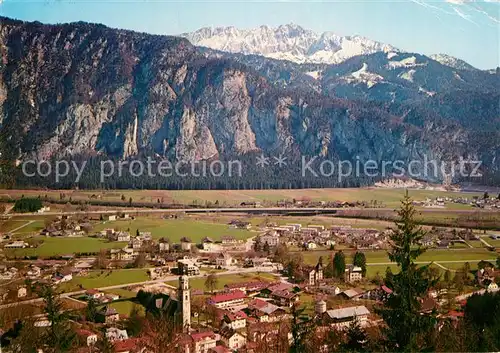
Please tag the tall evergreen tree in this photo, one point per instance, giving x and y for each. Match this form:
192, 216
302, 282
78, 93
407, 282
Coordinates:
360, 261
266, 248
257, 245
329, 271
482, 315
59, 336
91, 310
301, 327
406, 327
339, 264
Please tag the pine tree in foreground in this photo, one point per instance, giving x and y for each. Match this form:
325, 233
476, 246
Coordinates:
406, 327
356, 338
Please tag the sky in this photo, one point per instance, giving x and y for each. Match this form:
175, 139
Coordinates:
466, 29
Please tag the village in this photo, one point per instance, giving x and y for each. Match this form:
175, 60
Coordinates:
240, 314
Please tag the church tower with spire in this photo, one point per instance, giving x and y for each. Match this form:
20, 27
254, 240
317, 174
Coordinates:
184, 297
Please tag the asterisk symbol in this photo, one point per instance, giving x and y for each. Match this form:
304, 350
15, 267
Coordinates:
262, 161
280, 161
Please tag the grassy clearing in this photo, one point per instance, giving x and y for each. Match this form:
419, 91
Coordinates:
476, 243
371, 271
13, 224
175, 229
307, 303
99, 279
124, 307
222, 280
458, 266
62, 246
123, 293
7, 226
495, 243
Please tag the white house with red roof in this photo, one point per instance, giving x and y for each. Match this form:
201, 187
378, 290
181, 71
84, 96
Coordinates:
235, 320
228, 300
94, 294
203, 341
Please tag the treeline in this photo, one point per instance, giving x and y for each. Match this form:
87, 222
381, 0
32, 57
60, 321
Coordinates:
200, 177
25, 205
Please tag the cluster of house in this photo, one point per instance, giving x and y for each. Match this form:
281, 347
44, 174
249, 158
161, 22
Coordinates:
144, 240
488, 203
45, 270
361, 238
309, 237
251, 311
67, 227
227, 243
116, 336
488, 278
244, 312
444, 238
190, 265
319, 203
134, 244
8, 273
314, 236
100, 297
49, 273
440, 202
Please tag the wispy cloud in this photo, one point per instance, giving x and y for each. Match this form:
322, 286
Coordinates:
433, 8
478, 8
461, 8
464, 15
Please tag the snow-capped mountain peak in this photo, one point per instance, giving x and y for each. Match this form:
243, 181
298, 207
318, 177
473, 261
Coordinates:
451, 61
286, 42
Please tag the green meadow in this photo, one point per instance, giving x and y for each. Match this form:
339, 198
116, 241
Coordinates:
175, 229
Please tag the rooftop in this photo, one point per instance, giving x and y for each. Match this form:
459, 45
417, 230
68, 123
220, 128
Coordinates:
348, 312
220, 298
199, 336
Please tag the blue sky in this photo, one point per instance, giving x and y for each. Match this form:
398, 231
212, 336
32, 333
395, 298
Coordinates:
467, 29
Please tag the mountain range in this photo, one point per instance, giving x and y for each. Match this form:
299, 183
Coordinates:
287, 42
83, 89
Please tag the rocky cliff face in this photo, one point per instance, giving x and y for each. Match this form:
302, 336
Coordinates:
82, 89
